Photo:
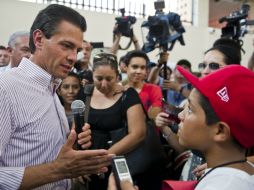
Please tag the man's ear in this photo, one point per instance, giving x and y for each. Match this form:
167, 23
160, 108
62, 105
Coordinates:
222, 132
58, 91
9, 49
38, 38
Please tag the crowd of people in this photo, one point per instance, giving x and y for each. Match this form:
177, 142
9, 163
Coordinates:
44, 70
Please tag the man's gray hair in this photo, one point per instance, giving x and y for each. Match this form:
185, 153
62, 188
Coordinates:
12, 40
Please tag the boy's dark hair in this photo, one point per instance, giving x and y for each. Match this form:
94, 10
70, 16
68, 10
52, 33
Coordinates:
49, 18
211, 116
135, 53
3, 47
184, 62
122, 59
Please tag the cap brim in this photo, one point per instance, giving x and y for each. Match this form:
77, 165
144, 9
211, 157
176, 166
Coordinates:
189, 77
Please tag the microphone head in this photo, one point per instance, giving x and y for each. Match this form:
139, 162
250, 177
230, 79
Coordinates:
77, 106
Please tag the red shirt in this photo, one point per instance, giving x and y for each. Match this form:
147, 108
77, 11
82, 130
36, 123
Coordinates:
151, 95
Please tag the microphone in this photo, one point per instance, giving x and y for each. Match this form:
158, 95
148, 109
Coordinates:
78, 110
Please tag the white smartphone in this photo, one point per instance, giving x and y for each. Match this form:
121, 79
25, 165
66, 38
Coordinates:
121, 170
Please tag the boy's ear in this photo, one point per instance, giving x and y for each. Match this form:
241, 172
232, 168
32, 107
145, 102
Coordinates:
222, 132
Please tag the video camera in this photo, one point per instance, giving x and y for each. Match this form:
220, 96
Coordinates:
125, 24
163, 29
237, 22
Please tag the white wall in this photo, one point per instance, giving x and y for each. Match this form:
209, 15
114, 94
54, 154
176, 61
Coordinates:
16, 15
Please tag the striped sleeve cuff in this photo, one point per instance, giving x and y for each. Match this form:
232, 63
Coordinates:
11, 177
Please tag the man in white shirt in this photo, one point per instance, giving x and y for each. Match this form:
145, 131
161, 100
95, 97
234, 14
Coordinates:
36, 146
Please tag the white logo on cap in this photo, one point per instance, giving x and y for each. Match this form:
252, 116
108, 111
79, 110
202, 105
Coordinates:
223, 94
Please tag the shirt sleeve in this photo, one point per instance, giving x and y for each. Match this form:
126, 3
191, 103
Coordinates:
10, 177
131, 98
155, 96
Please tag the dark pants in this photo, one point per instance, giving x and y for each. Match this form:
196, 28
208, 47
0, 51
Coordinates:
99, 182
150, 180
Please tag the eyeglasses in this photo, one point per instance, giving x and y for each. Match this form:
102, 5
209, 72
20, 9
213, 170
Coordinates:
211, 66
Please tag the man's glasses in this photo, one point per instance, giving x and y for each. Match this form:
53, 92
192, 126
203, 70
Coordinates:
211, 66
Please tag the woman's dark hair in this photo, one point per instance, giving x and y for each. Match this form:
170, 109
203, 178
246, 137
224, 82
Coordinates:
49, 18
103, 59
135, 53
230, 49
211, 117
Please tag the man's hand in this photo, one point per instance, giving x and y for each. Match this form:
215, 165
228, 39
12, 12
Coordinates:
84, 138
84, 82
119, 88
163, 58
70, 163
74, 163
173, 85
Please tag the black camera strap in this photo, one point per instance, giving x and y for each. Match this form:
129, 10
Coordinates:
127, 46
221, 165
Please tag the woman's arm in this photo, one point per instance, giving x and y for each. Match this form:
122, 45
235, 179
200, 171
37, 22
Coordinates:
136, 131
251, 159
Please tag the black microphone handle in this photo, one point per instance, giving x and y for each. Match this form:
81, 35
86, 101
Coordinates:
79, 123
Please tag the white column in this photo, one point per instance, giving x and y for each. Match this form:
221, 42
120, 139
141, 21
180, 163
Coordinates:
200, 13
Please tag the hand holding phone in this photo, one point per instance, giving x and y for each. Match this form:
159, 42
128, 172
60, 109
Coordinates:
172, 112
121, 170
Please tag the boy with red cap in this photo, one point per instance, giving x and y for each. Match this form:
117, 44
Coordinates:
219, 122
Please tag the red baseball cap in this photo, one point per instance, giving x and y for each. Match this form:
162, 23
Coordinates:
230, 91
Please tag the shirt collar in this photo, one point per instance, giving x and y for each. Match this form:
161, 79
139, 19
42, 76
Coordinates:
38, 74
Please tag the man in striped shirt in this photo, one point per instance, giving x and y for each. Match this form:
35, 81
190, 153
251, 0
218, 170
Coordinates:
35, 144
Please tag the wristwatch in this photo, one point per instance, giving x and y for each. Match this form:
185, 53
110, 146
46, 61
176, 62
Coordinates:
166, 136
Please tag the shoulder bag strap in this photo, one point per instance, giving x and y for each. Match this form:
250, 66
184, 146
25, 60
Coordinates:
145, 112
88, 90
87, 103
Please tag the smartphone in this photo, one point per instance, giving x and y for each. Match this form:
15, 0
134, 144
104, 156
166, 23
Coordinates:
172, 111
121, 170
